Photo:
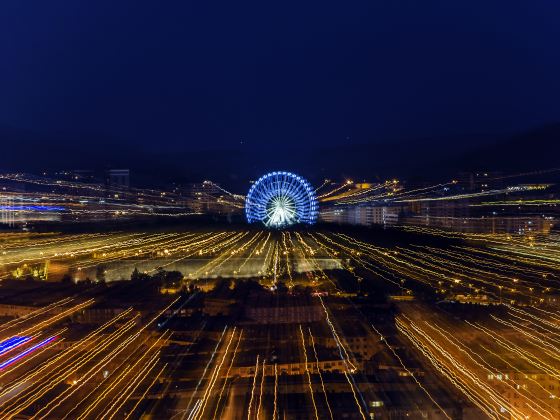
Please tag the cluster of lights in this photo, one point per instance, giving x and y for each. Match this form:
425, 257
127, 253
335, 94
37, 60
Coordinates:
119, 339
488, 364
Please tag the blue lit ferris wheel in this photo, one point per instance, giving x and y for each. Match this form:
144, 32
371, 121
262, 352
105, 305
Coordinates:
280, 199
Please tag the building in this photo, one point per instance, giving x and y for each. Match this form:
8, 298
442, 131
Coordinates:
383, 215
118, 180
215, 306
480, 181
207, 197
363, 215
516, 386
10, 203
8, 214
485, 224
284, 314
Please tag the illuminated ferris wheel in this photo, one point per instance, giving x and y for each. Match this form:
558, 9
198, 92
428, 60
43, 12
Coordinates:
280, 199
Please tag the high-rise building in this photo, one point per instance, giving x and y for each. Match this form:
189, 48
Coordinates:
205, 197
118, 180
7, 212
480, 181
10, 202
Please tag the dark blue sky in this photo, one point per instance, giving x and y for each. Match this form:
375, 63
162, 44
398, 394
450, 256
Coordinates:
209, 86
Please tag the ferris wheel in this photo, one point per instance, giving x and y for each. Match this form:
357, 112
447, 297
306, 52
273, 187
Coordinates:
280, 199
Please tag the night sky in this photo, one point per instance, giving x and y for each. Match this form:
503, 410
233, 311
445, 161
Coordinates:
227, 90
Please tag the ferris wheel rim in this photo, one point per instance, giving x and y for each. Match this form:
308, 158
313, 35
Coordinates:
291, 196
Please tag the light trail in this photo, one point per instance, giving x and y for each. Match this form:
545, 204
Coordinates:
199, 402
486, 401
482, 363
259, 404
12, 343
308, 374
214, 377
347, 184
26, 318
135, 407
119, 377
29, 359
54, 319
324, 184
254, 250
31, 395
253, 388
121, 398
26, 352
63, 356
347, 362
517, 337
275, 409
114, 353
474, 364
411, 374
227, 373
320, 375
70, 366
286, 252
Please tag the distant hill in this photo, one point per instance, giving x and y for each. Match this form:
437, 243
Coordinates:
532, 150
422, 159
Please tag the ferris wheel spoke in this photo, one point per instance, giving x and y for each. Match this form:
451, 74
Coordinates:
280, 199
